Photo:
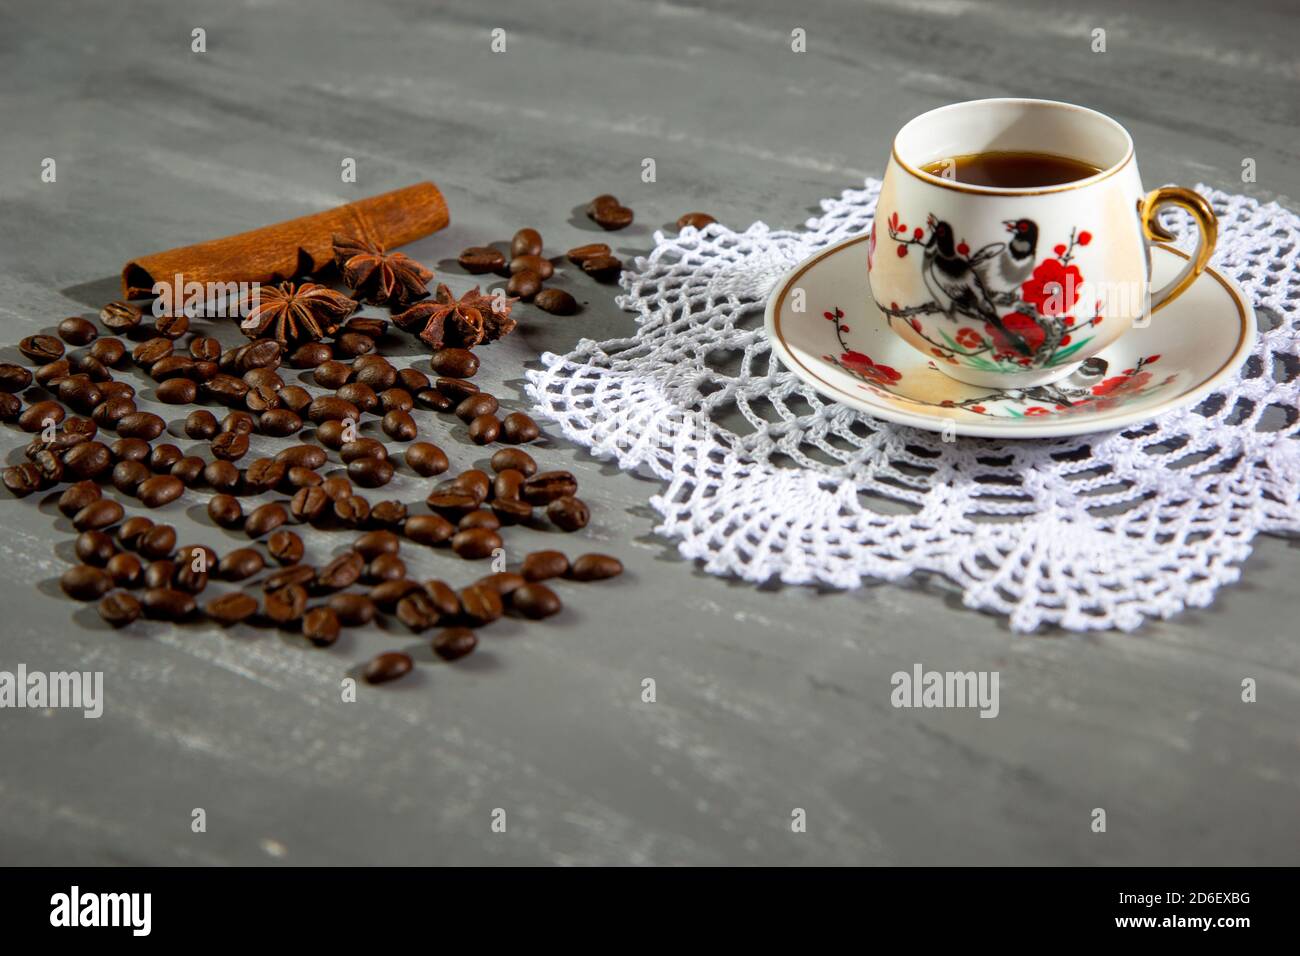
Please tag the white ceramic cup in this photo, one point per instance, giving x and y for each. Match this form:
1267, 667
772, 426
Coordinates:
1014, 287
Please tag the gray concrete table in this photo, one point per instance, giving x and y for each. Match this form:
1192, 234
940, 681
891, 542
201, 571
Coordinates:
768, 699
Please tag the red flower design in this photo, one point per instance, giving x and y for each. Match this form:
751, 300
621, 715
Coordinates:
1122, 384
1085, 237
1054, 287
862, 364
977, 409
902, 252
963, 249
969, 338
1036, 410
1023, 325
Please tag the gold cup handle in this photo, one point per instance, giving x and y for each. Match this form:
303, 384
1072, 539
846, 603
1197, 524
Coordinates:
1149, 211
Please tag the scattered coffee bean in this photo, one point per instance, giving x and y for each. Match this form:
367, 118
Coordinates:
475, 544
480, 604
428, 529
51, 373
285, 606
386, 594
343, 571
200, 424
14, 378
98, 515
353, 344
119, 609
476, 405
128, 475
696, 219
162, 457
412, 379
595, 567
133, 530
300, 574
544, 487
603, 268
479, 518
157, 542
514, 458
433, 399
77, 331
263, 475
167, 604
503, 582
443, 597
330, 407
240, 422
23, 479
535, 601
454, 643
240, 564
310, 355
264, 520
229, 446
285, 546
320, 625
77, 496
512, 510
556, 302
232, 608
41, 348
399, 426
608, 213
120, 316
221, 476
526, 242
387, 666
159, 490
38, 416
542, 565
476, 260
376, 375
125, 570
484, 429
454, 363
305, 456
279, 422
370, 472
352, 610
568, 513
143, 425
518, 428
189, 470
159, 573
537, 265
524, 285
388, 515
359, 394
426, 459
374, 543
95, 547
152, 351
417, 612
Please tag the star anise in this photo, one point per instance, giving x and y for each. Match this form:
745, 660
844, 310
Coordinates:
446, 321
378, 276
294, 313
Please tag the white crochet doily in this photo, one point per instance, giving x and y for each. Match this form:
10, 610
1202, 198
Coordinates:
766, 480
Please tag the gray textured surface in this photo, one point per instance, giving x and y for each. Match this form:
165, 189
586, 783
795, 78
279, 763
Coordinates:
768, 698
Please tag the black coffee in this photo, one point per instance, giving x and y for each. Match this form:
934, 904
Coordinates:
1011, 169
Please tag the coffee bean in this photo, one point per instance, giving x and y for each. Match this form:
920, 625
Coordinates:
240, 422
144, 425
221, 476
189, 469
603, 268
232, 608
433, 399
299, 574
159, 574
41, 348
152, 351
131, 449
556, 302
173, 366
376, 375
205, 348
428, 529
95, 547
475, 481
374, 543
399, 426
476, 405
541, 565
98, 515
77, 496
568, 513
119, 316
309, 503
484, 429
158, 542
697, 220
320, 625
49, 465
261, 398
526, 242
535, 601
37, 416
331, 433
330, 408
295, 398
546, 486
475, 544
514, 459
387, 666
125, 570
225, 389
112, 410
352, 610
456, 389
229, 446
371, 326
518, 428
503, 582
310, 355
331, 374
23, 479
265, 519
14, 378
454, 643
263, 378
451, 503
51, 373
511, 510
479, 518
417, 612
85, 582
240, 564
162, 457
200, 424
79, 392
119, 609
426, 459
480, 604
343, 571
77, 331
476, 260
279, 422
370, 472
305, 456
261, 353
454, 363
537, 265
386, 594
353, 344
167, 604
581, 254
159, 490
285, 546
297, 477
128, 476
606, 212
388, 515
285, 605
524, 285
386, 567
189, 580
133, 530
263, 475
595, 567
396, 400
412, 380
359, 394
444, 598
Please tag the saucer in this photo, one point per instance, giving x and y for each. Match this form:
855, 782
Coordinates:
841, 345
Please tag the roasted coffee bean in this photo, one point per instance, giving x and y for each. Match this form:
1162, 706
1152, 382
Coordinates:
125, 570
295, 398
387, 667
412, 379
14, 378
417, 612
603, 268
85, 582
107, 351
205, 348
353, 344
476, 260
98, 515
537, 265
226, 389
374, 543
503, 582
240, 564
95, 547
331, 374
261, 398
516, 459
112, 410
526, 242
428, 529
310, 355
51, 373
77, 331
433, 399
120, 316
386, 567
119, 609
511, 510
131, 449
298, 477
568, 513
330, 408
542, 565
399, 426
83, 363
285, 546
581, 254
352, 610
308, 504
396, 400
145, 425
79, 392
484, 429
444, 598
167, 604
158, 542
388, 515
341, 572
79, 427
524, 285
606, 212
177, 391
479, 518
262, 353
370, 472
697, 220
129, 475
304, 456
279, 422
89, 459
454, 642
476, 482
173, 366
454, 363
229, 446
475, 544
240, 422
232, 608
332, 433
476, 405
320, 625
507, 484
386, 594
359, 394
352, 511
285, 605
595, 567
451, 503
151, 351
162, 457
189, 469
187, 579
480, 604
263, 475
77, 496
221, 476
376, 373
263, 378
544, 487
556, 302
133, 531
41, 348
300, 574
371, 326
202, 372
265, 519
426, 459
457, 389
49, 466
535, 601
39, 415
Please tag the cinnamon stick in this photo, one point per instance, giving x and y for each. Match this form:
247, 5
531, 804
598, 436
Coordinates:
292, 248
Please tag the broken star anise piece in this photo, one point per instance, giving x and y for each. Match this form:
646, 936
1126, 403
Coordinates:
378, 276
448, 322
294, 313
